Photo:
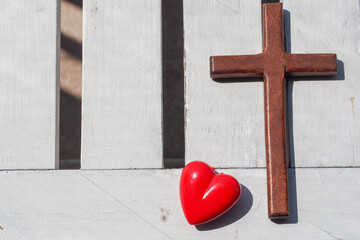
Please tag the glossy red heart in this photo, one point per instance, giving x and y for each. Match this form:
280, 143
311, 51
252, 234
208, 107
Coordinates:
204, 194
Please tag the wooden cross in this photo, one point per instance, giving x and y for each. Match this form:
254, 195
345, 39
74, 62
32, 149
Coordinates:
273, 64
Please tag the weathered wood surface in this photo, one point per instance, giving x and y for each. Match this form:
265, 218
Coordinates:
121, 119
225, 122
29, 71
144, 204
326, 119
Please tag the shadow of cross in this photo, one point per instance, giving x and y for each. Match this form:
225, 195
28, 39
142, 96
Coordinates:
273, 64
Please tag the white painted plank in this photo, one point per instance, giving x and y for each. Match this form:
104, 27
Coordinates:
144, 204
224, 122
121, 119
29, 71
326, 119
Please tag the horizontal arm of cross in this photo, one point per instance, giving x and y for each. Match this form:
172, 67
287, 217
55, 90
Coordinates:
236, 66
310, 64
253, 65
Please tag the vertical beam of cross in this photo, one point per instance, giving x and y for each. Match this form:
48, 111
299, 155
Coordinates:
275, 92
273, 64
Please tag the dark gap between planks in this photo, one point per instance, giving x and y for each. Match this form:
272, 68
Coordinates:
70, 105
173, 84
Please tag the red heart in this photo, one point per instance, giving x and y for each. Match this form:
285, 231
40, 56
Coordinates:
204, 194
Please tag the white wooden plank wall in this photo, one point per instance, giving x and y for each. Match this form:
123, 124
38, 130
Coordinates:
29, 71
145, 204
326, 114
121, 119
225, 122
122, 123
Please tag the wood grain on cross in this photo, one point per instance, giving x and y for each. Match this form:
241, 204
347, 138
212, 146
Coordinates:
273, 64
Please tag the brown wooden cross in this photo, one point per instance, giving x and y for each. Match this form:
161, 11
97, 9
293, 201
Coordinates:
273, 64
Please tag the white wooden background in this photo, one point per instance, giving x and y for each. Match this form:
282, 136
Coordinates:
224, 123
144, 204
121, 123
29, 80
